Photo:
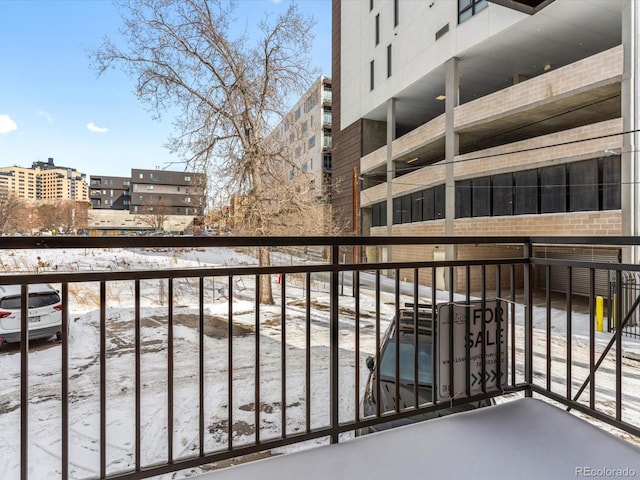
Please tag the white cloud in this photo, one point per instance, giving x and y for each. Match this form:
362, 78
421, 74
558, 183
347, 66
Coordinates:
46, 116
6, 124
94, 128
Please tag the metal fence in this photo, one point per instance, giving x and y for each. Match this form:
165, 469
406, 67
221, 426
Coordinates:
166, 366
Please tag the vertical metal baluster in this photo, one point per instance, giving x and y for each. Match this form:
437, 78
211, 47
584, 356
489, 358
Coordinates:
416, 343
138, 374
170, 374
548, 334
569, 331
435, 331
467, 332
619, 325
377, 365
333, 344
483, 327
512, 289
592, 337
308, 353
103, 380
65, 381
24, 382
396, 392
283, 354
356, 293
230, 365
257, 363
201, 363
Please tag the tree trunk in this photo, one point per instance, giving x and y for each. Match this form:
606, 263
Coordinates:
266, 294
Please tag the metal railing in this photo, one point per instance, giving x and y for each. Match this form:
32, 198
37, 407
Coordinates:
171, 366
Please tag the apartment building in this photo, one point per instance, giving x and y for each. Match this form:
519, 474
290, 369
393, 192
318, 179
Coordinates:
175, 193
45, 181
476, 117
305, 134
110, 192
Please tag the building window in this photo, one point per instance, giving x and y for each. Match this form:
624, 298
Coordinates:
371, 69
553, 189
149, 187
583, 186
297, 114
388, 60
468, 8
377, 29
326, 162
396, 12
312, 141
187, 179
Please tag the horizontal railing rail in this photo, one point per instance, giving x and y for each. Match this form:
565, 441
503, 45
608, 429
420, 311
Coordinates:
172, 358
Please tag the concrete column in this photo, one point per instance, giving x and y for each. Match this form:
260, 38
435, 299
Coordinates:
630, 122
391, 169
452, 100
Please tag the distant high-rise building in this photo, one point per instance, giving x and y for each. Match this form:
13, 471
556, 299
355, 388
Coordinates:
45, 181
305, 132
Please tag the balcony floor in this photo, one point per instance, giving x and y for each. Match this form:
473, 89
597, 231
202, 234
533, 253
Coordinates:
526, 438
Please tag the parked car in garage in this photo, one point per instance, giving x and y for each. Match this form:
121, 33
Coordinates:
403, 327
45, 312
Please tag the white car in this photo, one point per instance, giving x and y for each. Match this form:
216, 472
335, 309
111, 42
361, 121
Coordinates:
45, 312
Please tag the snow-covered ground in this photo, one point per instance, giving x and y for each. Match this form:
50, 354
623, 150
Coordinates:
84, 364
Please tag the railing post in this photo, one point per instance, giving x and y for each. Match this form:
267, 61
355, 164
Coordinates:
528, 319
334, 385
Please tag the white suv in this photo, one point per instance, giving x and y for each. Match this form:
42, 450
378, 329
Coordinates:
45, 312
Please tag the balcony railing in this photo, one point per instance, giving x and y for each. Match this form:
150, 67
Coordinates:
172, 361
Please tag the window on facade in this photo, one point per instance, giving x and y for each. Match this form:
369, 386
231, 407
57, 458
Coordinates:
371, 69
463, 199
297, 113
388, 60
149, 187
326, 162
553, 189
468, 8
187, 179
611, 179
397, 211
312, 141
502, 192
377, 28
583, 186
481, 197
526, 186
427, 204
416, 206
439, 202
379, 214
304, 127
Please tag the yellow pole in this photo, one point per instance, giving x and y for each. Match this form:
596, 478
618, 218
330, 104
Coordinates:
599, 313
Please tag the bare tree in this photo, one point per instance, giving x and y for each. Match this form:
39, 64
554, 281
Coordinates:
229, 93
11, 212
155, 216
71, 216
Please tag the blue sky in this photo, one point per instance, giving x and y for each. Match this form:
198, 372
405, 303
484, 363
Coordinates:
52, 104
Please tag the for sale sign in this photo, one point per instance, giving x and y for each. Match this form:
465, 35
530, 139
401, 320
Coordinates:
477, 331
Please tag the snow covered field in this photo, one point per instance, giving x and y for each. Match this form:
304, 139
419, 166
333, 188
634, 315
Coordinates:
84, 365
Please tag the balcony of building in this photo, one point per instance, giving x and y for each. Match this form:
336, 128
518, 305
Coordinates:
169, 362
